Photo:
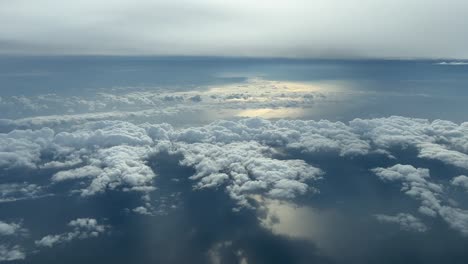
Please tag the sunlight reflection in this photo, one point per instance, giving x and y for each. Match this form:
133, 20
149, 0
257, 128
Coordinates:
285, 218
272, 113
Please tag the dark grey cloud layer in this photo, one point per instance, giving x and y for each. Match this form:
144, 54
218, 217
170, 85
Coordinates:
297, 28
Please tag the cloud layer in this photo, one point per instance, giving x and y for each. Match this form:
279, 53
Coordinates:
239, 155
246, 158
237, 28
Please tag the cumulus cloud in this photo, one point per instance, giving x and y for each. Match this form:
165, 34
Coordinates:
442, 140
435, 151
141, 210
104, 134
236, 155
111, 154
7, 229
11, 252
406, 221
83, 228
243, 157
309, 136
22, 148
78, 173
244, 168
416, 184
461, 181
111, 168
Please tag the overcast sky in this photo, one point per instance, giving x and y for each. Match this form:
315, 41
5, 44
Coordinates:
293, 28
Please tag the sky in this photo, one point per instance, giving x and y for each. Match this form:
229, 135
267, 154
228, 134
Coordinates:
296, 28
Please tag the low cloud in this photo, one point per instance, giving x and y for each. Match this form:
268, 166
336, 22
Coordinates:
416, 184
8, 229
461, 181
116, 167
142, 210
237, 155
9, 252
11, 192
22, 148
83, 228
147, 103
405, 221
245, 168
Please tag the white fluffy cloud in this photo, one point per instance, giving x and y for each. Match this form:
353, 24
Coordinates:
440, 139
83, 228
11, 252
7, 229
438, 152
406, 221
461, 181
242, 157
245, 168
113, 155
416, 183
309, 136
142, 210
78, 173
22, 148
111, 168
104, 134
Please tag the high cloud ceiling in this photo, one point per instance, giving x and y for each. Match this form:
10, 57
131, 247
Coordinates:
298, 28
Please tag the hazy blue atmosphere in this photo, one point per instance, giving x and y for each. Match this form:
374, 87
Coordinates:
238, 132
